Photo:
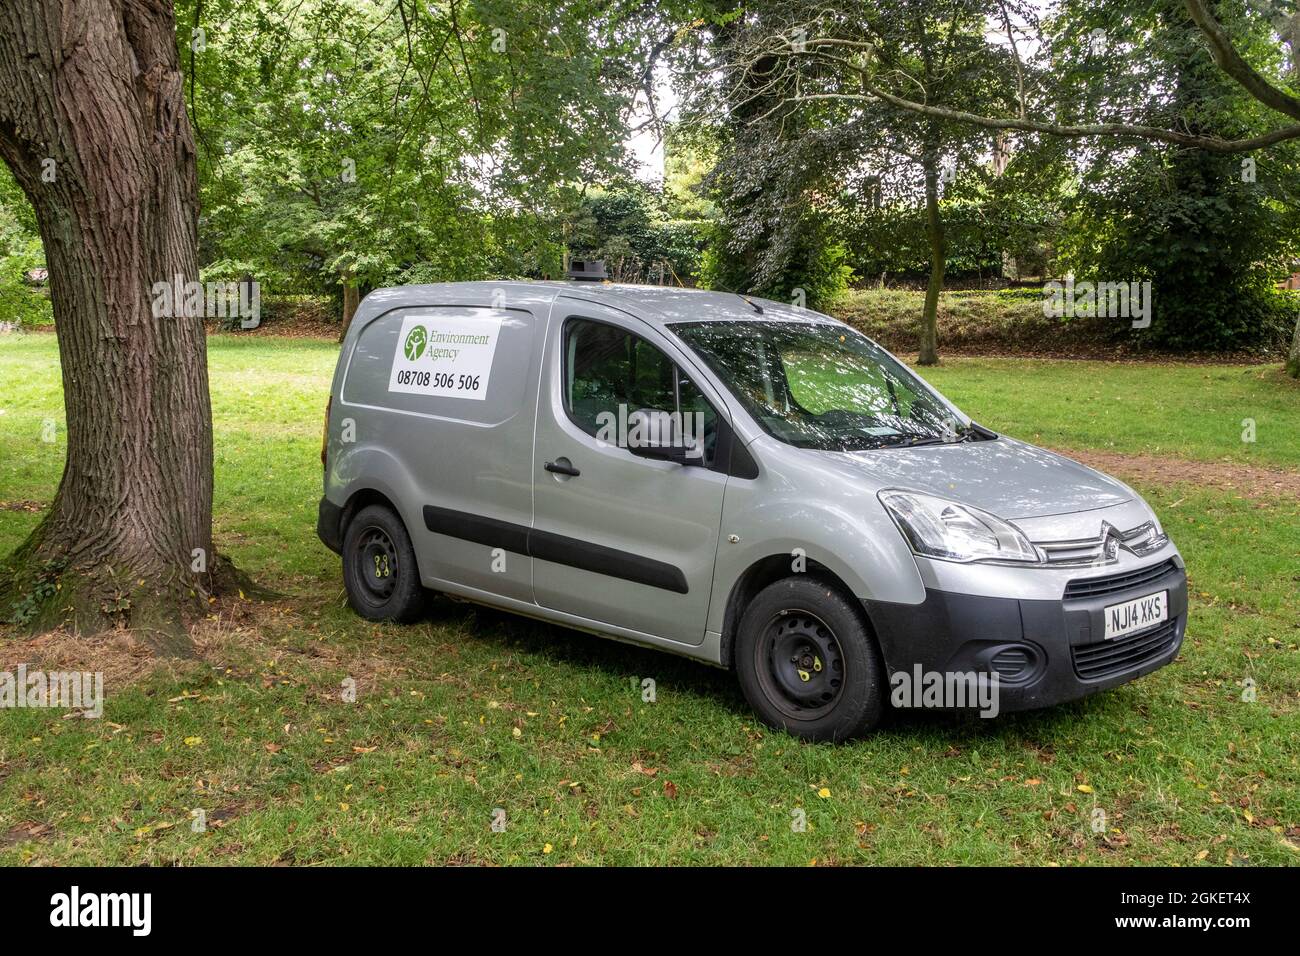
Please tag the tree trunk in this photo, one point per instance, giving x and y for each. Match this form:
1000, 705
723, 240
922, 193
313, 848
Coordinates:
351, 299
929, 353
1291, 31
1293, 360
1292, 34
94, 128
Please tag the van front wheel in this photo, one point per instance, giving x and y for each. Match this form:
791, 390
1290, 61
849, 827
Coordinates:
379, 569
807, 662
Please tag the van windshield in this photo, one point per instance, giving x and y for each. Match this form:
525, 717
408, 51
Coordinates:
822, 386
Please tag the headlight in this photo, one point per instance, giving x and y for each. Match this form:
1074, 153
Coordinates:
939, 528
1155, 522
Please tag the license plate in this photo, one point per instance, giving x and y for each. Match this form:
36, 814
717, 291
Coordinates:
1136, 615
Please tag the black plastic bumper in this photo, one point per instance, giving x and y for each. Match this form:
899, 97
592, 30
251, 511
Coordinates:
1063, 640
329, 525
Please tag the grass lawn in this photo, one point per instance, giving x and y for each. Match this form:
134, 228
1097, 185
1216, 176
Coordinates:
474, 712
1185, 411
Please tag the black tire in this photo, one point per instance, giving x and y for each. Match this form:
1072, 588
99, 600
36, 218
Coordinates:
808, 663
379, 568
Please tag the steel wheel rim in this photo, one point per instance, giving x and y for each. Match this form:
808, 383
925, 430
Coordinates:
800, 664
375, 565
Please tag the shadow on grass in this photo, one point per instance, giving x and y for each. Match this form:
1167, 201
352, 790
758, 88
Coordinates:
614, 658
512, 633
1025, 727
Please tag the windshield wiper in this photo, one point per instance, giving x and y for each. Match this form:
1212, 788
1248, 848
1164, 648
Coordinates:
912, 442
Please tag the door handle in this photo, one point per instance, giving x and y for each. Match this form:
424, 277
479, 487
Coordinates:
562, 467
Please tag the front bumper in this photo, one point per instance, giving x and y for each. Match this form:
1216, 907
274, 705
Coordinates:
1045, 651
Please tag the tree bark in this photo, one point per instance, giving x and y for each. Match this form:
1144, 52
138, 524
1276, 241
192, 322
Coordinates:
93, 126
1292, 34
351, 299
929, 352
1293, 360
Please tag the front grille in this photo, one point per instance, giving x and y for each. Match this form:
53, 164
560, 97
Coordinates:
1093, 661
1092, 587
1104, 548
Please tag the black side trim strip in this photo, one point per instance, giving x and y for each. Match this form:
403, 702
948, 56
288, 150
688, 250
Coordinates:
556, 548
480, 530
547, 546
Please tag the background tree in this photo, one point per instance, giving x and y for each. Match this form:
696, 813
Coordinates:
630, 225
1180, 103
1213, 232
769, 181
350, 145
799, 134
21, 256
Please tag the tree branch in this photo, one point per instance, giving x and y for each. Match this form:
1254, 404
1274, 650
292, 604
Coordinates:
1221, 47
1231, 62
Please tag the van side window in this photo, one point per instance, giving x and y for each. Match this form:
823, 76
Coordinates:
606, 367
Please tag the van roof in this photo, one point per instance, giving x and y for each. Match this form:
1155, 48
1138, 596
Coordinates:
659, 305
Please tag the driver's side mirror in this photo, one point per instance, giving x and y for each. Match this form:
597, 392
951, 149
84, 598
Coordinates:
656, 434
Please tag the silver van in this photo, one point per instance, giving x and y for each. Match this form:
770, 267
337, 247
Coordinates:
735, 480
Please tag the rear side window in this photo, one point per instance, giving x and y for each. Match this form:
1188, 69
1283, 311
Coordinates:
607, 367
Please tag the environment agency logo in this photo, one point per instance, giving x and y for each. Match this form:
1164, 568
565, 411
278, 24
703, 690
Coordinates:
416, 340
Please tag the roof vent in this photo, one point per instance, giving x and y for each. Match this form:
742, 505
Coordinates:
587, 270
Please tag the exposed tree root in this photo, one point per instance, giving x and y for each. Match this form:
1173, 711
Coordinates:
41, 592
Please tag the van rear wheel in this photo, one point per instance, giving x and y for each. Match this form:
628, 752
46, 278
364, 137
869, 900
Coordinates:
807, 662
379, 568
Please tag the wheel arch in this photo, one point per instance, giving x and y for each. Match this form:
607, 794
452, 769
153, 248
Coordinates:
759, 575
363, 498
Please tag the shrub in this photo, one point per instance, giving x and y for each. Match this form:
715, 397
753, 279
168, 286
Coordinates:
21, 304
